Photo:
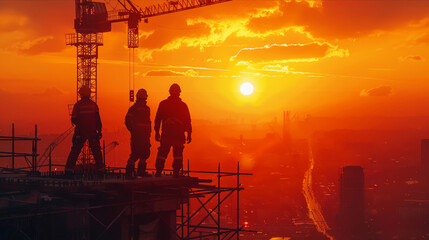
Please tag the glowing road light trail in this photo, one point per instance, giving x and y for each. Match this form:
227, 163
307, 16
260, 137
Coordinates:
314, 209
246, 88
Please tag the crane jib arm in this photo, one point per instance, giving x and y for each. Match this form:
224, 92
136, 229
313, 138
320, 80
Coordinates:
175, 6
162, 8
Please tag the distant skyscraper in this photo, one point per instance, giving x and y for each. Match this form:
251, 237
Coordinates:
425, 167
286, 126
351, 215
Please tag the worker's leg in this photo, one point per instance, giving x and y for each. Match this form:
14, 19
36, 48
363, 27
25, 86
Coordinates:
177, 158
135, 154
78, 142
145, 153
94, 144
163, 151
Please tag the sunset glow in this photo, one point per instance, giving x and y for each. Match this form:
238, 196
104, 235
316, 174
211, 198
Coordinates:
292, 91
299, 52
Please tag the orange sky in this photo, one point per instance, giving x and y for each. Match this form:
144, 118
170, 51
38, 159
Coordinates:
324, 58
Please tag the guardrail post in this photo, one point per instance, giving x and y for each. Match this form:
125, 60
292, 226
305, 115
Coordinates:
13, 146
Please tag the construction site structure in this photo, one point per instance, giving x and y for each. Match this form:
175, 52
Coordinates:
52, 205
29, 157
92, 20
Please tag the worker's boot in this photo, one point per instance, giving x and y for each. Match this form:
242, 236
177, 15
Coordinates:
176, 173
177, 165
68, 173
129, 172
160, 161
141, 170
99, 171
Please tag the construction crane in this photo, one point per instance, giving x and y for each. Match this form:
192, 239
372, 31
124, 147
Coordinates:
93, 19
48, 151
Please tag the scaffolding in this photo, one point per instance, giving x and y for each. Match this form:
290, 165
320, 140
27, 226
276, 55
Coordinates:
13, 155
203, 197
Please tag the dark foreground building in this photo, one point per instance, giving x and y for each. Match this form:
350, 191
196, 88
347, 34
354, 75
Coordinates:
414, 211
425, 167
351, 215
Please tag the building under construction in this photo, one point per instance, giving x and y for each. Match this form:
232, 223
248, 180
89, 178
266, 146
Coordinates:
49, 205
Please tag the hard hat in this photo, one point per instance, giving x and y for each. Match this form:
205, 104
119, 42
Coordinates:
141, 94
84, 91
175, 89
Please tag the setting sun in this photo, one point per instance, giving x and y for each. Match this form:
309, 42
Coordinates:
246, 88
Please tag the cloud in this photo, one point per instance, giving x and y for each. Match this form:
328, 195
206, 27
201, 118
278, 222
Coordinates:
171, 73
306, 52
33, 27
181, 28
200, 27
342, 19
219, 32
415, 58
276, 68
423, 39
212, 60
51, 92
381, 91
215, 32
33, 46
217, 26
10, 21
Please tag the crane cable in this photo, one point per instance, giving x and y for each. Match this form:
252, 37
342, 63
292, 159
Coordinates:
131, 82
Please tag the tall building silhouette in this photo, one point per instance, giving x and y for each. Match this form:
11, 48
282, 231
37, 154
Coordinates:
414, 211
351, 214
286, 127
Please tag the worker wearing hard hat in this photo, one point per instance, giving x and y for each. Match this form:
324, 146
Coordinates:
138, 123
173, 115
86, 118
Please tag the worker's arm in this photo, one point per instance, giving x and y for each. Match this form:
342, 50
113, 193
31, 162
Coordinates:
147, 121
188, 125
129, 119
158, 119
98, 122
74, 116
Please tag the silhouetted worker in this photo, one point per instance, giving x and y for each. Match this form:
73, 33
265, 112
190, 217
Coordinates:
137, 121
86, 118
173, 115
